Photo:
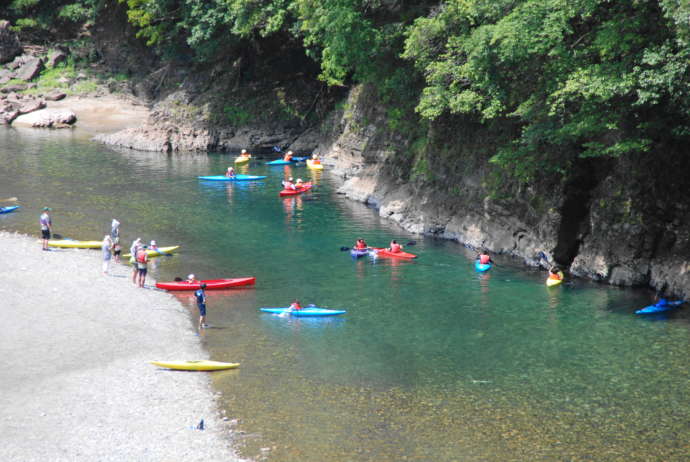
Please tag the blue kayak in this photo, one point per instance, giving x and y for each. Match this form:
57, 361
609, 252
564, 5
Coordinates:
481, 267
299, 159
358, 253
279, 162
660, 307
234, 178
304, 312
9, 209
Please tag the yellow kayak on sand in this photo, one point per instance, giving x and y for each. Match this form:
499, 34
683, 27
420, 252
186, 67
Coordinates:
311, 164
159, 252
201, 365
68, 244
550, 282
242, 159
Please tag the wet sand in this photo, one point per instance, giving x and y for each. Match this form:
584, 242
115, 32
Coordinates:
75, 382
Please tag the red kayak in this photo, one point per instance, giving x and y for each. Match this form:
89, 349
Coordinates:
292, 192
385, 253
211, 284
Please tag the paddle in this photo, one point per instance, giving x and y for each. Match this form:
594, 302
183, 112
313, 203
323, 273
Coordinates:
343, 249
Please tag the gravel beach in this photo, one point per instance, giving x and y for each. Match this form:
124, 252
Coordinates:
75, 382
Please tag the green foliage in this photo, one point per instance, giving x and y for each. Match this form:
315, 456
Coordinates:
236, 115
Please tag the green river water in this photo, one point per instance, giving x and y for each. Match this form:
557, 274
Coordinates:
432, 362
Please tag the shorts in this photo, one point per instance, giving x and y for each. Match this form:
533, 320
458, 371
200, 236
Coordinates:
202, 309
142, 271
117, 252
45, 233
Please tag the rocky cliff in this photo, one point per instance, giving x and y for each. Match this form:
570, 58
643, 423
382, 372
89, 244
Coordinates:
622, 221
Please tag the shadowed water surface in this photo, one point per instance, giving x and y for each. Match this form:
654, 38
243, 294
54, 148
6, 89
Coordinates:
432, 361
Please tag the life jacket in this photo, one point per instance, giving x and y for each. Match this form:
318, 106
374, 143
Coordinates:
395, 248
296, 306
287, 158
142, 256
316, 161
484, 259
361, 246
557, 276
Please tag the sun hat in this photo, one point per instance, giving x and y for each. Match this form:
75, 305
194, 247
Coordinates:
153, 243
47, 208
190, 276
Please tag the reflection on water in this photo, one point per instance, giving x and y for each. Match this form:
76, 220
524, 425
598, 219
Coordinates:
432, 361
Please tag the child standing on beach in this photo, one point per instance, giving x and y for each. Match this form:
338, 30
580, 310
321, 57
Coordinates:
201, 304
46, 227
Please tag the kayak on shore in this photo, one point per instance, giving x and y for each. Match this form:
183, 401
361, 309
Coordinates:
660, 307
304, 312
237, 177
69, 244
292, 192
381, 252
9, 209
482, 267
200, 365
211, 284
158, 252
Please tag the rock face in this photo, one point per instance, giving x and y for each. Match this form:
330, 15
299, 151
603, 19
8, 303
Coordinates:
614, 221
9, 43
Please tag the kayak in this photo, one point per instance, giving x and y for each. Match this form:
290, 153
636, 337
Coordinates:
211, 284
481, 267
9, 209
652, 309
304, 312
299, 159
380, 252
242, 159
202, 365
355, 253
312, 165
292, 192
279, 162
68, 244
159, 252
554, 282
235, 178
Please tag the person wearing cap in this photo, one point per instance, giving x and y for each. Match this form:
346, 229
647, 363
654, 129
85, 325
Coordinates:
244, 153
133, 249
153, 245
201, 304
298, 183
191, 279
46, 227
230, 173
142, 261
288, 156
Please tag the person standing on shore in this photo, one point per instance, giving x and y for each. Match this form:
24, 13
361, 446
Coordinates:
115, 236
133, 259
46, 227
106, 248
142, 261
201, 304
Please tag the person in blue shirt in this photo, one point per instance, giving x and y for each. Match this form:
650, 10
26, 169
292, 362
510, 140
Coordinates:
201, 304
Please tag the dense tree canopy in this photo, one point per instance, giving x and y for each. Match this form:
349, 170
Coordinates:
581, 78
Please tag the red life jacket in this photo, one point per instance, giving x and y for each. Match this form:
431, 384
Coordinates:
395, 248
142, 256
484, 259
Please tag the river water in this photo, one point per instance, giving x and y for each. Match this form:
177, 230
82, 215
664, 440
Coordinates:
432, 362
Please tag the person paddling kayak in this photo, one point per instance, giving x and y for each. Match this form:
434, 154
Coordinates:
288, 156
288, 184
555, 273
360, 245
295, 306
484, 258
230, 173
394, 247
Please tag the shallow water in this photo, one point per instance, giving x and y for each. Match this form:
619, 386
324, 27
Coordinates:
432, 361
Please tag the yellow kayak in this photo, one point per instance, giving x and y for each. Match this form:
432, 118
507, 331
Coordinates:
554, 282
311, 164
201, 365
67, 244
159, 252
242, 159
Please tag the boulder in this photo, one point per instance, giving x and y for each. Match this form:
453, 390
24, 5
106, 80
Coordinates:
6, 117
55, 95
47, 118
30, 69
58, 57
9, 43
31, 106
18, 62
13, 88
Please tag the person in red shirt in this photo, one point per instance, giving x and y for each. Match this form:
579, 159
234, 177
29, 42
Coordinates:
288, 156
361, 245
484, 258
395, 247
295, 306
142, 261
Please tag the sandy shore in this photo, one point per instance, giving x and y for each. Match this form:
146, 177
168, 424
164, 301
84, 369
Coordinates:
75, 382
